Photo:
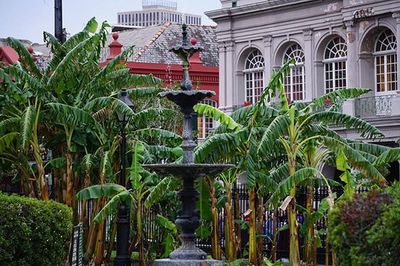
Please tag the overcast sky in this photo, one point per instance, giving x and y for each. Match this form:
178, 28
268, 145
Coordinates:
27, 19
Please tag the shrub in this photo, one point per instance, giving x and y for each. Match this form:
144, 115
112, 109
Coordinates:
33, 232
365, 230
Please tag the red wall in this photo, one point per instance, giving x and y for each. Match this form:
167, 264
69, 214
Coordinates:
203, 77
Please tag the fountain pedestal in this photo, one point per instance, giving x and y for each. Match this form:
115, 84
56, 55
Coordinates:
188, 216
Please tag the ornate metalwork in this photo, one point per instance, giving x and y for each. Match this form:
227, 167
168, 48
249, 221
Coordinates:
188, 171
366, 107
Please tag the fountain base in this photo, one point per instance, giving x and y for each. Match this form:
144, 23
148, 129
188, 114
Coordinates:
171, 262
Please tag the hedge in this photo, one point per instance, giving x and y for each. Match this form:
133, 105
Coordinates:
365, 230
33, 232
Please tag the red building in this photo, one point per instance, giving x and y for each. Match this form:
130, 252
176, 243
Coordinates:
152, 56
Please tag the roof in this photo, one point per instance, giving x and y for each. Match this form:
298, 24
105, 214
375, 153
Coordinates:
8, 55
153, 43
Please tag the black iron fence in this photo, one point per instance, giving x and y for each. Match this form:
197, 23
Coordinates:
153, 232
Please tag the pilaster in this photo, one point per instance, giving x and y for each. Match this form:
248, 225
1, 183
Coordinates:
267, 58
308, 65
351, 65
231, 90
396, 16
222, 76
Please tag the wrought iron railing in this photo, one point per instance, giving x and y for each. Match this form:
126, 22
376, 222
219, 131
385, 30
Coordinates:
374, 106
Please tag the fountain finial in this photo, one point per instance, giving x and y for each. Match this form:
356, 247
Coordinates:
184, 35
185, 51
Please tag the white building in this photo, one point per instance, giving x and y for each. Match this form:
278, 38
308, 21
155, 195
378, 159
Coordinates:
336, 44
157, 12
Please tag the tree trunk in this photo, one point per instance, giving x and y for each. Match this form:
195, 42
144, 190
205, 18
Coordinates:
215, 247
91, 239
294, 256
237, 214
69, 179
259, 224
42, 188
139, 229
275, 235
252, 228
294, 252
99, 248
310, 226
112, 238
229, 228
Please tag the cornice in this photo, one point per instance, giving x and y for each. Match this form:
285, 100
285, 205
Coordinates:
256, 7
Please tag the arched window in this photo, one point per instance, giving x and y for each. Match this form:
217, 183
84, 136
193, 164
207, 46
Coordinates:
295, 80
205, 124
386, 63
335, 64
254, 76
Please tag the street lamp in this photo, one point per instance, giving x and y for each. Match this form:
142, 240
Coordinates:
123, 258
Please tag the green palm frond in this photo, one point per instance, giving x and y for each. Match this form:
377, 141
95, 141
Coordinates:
216, 114
51, 41
374, 149
108, 190
243, 114
111, 103
164, 152
88, 161
355, 159
141, 119
339, 119
9, 123
58, 162
21, 75
277, 128
136, 169
112, 205
158, 135
140, 93
28, 121
25, 57
135, 80
297, 178
6, 140
70, 115
390, 155
84, 48
157, 192
342, 94
91, 25
5, 78
220, 147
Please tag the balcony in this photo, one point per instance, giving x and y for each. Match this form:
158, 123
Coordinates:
375, 106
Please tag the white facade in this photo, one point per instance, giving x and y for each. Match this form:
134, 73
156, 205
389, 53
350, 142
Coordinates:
157, 12
335, 43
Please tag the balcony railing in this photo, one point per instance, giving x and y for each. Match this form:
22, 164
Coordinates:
367, 107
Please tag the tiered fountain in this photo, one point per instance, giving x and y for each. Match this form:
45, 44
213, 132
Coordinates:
188, 217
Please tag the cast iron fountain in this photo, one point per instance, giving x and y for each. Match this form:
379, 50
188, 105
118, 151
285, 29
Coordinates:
188, 217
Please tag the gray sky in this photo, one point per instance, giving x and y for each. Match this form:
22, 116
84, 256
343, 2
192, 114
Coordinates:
27, 19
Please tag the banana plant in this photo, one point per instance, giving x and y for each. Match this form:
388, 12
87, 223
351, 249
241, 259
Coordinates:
145, 191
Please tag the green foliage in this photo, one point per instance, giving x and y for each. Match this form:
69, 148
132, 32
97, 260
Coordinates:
364, 229
33, 232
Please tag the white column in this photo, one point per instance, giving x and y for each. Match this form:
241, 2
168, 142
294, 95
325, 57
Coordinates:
308, 65
351, 65
267, 59
396, 99
222, 76
231, 90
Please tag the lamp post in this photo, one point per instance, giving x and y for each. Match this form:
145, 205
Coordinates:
123, 258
